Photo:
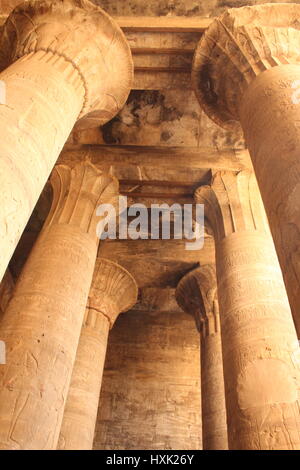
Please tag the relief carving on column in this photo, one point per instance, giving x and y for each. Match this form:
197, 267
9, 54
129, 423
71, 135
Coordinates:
77, 192
44, 318
234, 210
258, 335
232, 203
114, 290
237, 47
71, 227
87, 38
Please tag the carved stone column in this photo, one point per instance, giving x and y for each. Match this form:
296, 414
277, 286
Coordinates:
261, 355
6, 290
42, 324
247, 69
60, 61
196, 294
113, 291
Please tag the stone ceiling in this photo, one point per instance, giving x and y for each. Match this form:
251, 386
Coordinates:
175, 7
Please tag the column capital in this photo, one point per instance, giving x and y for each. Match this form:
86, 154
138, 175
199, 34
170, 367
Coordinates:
196, 294
113, 290
238, 46
232, 203
77, 192
83, 35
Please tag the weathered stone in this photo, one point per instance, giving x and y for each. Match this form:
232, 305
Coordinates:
196, 293
261, 354
151, 392
51, 81
150, 396
42, 324
113, 291
246, 68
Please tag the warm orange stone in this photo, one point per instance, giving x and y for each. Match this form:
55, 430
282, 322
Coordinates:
197, 294
60, 62
247, 68
261, 355
42, 324
113, 291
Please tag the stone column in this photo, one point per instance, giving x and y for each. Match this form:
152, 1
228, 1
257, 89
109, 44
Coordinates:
261, 355
42, 324
247, 69
6, 291
196, 294
61, 61
113, 291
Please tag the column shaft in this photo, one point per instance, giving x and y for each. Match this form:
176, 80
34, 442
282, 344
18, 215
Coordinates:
50, 82
42, 324
246, 68
78, 427
41, 328
214, 426
270, 116
196, 294
113, 290
260, 348
261, 355
44, 95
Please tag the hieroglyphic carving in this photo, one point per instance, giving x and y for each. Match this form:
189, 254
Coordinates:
72, 203
113, 290
61, 62
196, 294
232, 203
242, 43
246, 68
104, 64
42, 324
271, 126
258, 336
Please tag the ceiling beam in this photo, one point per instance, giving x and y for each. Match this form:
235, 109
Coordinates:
157, 157
171, 24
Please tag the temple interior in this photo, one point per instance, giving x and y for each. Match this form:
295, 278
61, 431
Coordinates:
133, 343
